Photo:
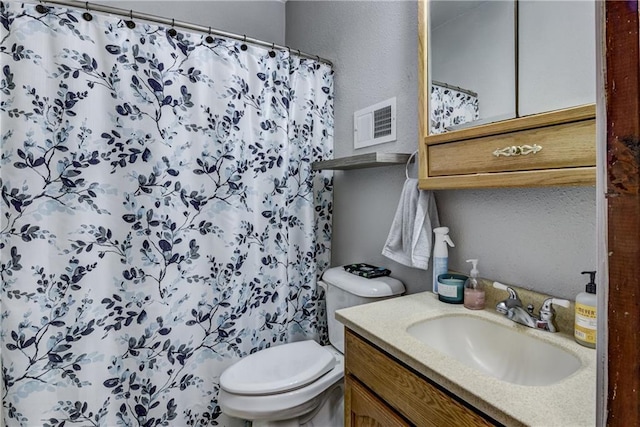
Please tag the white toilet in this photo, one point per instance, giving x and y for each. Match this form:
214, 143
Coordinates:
300, 383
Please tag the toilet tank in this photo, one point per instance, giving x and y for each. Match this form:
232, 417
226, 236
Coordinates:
344, 289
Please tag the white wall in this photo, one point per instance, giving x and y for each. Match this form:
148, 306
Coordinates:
537, 238
260, 19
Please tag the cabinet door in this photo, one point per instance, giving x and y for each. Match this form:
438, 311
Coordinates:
556, 55
364, 409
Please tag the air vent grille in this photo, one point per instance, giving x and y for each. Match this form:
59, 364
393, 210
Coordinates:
375, 124
382, 122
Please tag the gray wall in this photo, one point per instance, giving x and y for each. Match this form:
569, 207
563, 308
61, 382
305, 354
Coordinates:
261, 19
537, 238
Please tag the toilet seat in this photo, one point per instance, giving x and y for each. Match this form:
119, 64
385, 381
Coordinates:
286, 404
278, 369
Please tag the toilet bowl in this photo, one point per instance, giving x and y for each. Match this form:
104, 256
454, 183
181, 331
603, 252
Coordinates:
283, 388
301, 383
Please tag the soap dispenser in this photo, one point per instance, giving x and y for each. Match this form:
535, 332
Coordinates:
586, 313
473, 289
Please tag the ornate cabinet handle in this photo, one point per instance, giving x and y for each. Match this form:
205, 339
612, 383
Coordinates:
517, 150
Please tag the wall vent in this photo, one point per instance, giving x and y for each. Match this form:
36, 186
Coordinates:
375, 124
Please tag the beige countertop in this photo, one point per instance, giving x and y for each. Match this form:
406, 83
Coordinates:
570, 402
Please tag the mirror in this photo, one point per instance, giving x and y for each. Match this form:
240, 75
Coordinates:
472, 63
556, 54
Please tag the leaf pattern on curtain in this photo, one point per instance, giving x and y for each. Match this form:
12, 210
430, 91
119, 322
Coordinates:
160, 216
450, 107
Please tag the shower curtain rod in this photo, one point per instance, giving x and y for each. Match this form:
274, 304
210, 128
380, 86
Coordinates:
458, 88
186, 25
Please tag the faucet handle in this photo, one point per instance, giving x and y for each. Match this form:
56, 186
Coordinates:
513, 300
512, 292
547, 313
546, 305
561, 302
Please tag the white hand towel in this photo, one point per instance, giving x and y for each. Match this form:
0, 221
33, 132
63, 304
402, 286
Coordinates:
411, 235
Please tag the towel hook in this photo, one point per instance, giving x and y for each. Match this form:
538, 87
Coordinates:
406, 167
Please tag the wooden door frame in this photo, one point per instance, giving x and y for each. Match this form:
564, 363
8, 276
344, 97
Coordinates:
619, 144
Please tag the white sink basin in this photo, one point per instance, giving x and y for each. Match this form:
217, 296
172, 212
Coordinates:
496, 350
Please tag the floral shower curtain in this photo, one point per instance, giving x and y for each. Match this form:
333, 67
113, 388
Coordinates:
160, 217
450, 107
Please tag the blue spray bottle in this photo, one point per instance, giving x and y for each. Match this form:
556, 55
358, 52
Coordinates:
440, 254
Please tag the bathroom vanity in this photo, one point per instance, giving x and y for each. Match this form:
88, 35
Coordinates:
394, 379
409, 397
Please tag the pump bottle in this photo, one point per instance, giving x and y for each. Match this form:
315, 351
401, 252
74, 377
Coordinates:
473, 289
586, 315
440, 254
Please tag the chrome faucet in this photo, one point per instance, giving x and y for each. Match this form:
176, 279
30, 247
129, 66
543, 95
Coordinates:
512, 308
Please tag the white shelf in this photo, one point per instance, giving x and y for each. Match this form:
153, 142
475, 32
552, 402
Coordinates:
361, 161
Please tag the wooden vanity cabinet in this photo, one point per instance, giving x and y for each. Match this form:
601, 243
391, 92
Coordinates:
381, 391
366, 409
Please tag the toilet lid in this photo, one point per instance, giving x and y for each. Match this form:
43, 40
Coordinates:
278, 369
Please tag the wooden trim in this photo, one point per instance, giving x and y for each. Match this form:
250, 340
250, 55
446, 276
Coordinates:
423, 84
568, 115
623, 199
549, 177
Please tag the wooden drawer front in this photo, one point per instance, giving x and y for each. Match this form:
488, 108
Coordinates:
563, 146
364, 409
409, 394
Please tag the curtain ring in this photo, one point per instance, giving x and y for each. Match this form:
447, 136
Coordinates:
243, 46
172, 31
41, 8
86, 15
272, 52
130, 24
209, 39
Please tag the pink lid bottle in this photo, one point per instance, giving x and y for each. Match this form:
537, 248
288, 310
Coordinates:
473, 289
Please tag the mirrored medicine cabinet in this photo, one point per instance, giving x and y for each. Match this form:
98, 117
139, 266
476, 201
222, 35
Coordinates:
507, 92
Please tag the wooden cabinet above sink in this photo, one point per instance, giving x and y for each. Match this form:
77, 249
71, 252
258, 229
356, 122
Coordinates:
536, 148
548, 149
